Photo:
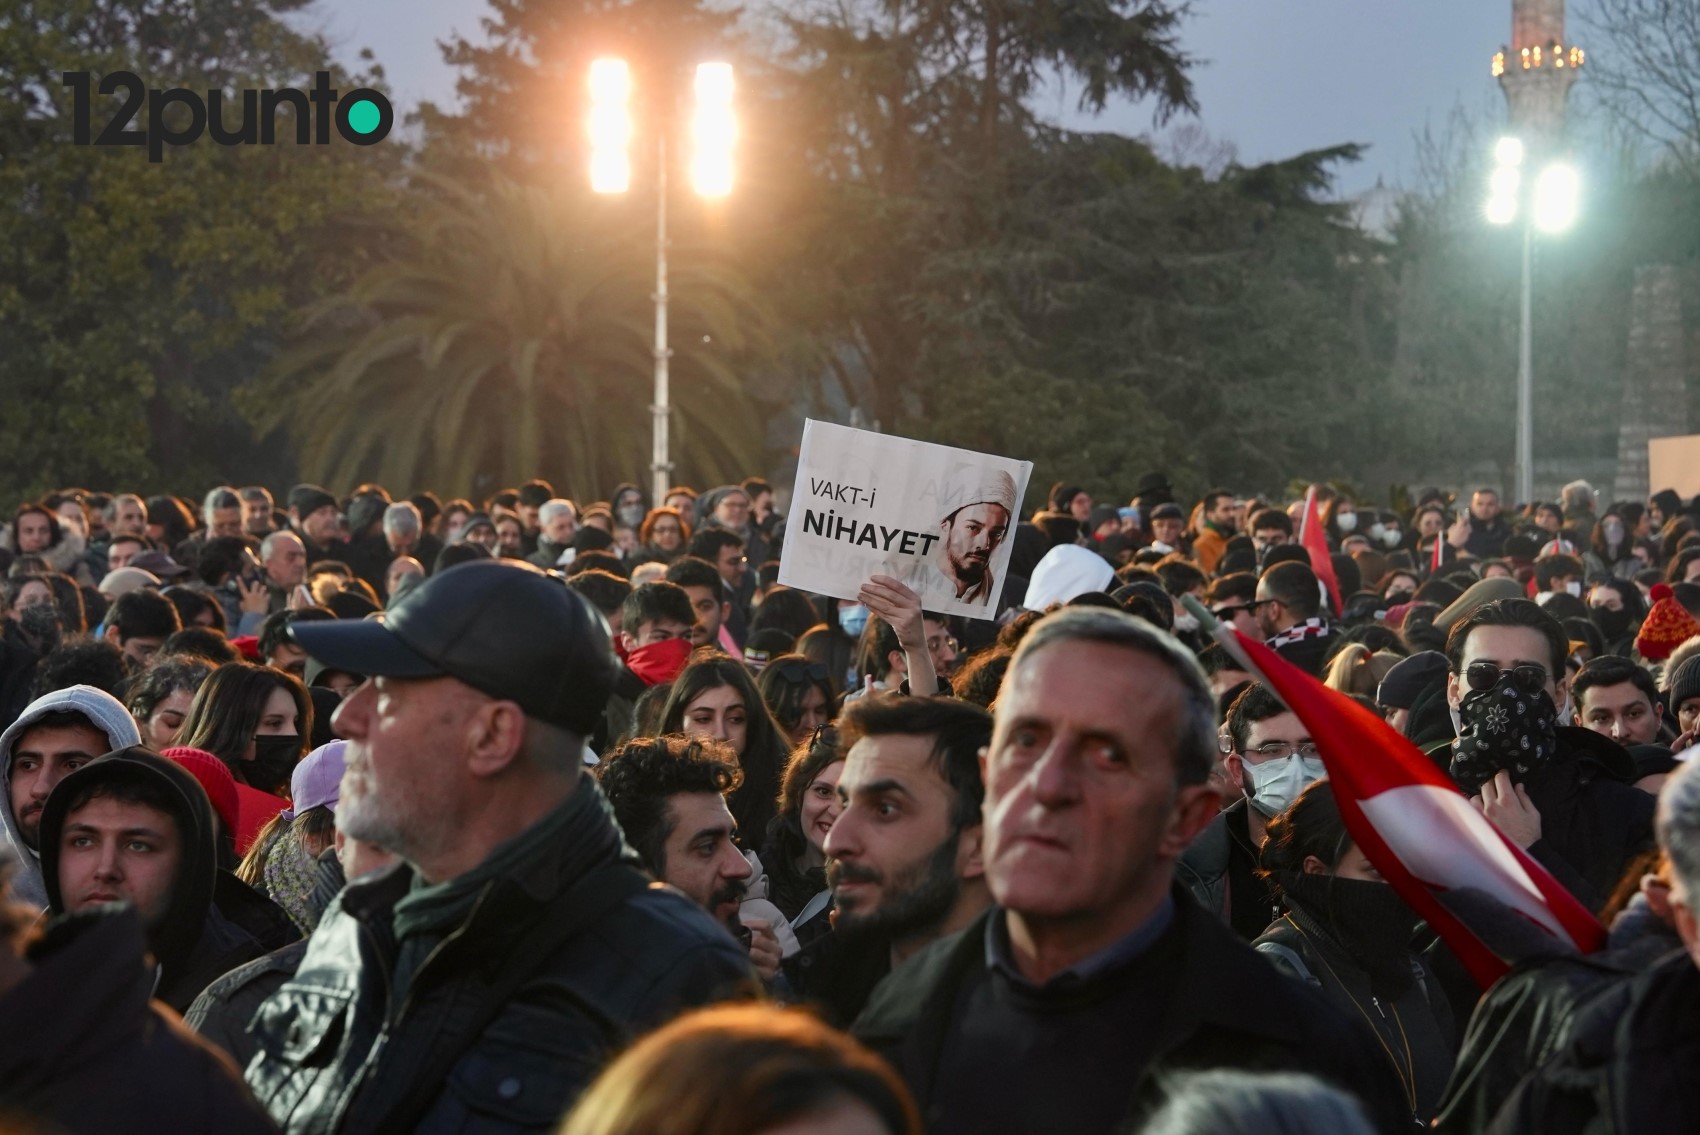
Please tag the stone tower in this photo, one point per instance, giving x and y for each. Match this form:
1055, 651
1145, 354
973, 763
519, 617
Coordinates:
1536, 70
1655, 390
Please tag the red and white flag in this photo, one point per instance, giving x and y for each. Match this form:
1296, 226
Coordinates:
1446, 860
1316, 543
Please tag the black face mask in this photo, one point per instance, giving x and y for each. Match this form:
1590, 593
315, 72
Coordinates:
274, 763
43, 624
1503, 728
1369, 920
1614, 625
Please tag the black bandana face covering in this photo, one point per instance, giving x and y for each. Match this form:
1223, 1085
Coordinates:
1503, 728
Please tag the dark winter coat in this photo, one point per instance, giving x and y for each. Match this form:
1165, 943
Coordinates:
1594, 821
1220, 869
1529, 1016
222, 1012
1628, 1068
341, 1050
86, 1051
1223, 1006
1415, 1030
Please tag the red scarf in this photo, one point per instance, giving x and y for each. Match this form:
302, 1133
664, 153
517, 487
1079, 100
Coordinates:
659, 661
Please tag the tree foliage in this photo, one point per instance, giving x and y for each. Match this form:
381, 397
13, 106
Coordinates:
508, 334
135, 296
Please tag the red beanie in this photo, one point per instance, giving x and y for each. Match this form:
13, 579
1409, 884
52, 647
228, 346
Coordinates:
1667, 626
215, 777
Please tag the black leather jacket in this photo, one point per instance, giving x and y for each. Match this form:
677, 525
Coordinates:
337, 1053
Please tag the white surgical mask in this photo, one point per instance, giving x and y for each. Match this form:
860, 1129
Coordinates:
1575, 588
1186, 622
1162, 547
1346, 521
1276, 784
1391, 537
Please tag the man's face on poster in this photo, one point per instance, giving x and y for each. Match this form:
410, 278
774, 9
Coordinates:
971, 535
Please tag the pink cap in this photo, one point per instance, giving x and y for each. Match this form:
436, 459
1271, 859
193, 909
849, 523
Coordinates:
318, 777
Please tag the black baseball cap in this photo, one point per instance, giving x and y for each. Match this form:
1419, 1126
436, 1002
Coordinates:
503, 627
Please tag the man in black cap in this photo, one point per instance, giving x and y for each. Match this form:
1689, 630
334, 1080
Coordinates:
484, 978
316, 519
1423, 673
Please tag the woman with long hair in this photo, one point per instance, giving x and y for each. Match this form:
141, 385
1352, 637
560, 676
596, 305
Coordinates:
714, 696
832, 641
798, 693
253, 718
1347, 933
1356, 669
794, 851
1612, 550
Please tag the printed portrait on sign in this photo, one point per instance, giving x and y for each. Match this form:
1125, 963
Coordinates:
971, 533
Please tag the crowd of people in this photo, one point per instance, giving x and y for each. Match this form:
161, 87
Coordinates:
368, 814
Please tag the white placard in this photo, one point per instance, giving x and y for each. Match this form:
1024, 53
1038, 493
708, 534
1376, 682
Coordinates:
1674, 463
938, 518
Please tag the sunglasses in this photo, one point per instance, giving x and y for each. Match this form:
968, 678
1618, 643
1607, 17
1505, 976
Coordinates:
1483, 676
1224, 614
800, 672
824, 735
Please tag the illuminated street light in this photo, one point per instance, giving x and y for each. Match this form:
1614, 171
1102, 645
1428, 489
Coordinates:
1554, 202
1558, 193
610, 126
714, 129
1501, 210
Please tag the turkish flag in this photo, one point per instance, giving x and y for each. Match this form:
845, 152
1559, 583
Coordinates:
1490, 901
1316, 543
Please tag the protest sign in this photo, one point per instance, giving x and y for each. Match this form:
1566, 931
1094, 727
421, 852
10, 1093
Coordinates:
935, 517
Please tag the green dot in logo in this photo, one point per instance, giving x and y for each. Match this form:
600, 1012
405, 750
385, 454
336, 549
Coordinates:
363, 117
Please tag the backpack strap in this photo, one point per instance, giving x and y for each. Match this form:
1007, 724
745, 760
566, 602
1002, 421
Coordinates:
585, 903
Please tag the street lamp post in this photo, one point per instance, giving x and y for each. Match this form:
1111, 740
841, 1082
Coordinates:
1552, 208
713, 131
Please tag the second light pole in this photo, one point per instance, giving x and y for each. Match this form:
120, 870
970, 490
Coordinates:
713, 132
1551, 207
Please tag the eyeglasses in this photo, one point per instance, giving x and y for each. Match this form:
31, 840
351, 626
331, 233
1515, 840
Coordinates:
938, 643
1277, 750
1254, 608
1225, 614
1527, 677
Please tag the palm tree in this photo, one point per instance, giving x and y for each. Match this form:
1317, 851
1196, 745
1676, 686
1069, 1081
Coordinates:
512, 337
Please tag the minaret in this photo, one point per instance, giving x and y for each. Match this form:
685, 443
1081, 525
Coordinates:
1536, 71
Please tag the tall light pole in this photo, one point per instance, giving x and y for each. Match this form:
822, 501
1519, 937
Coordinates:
713, 132
1550, 205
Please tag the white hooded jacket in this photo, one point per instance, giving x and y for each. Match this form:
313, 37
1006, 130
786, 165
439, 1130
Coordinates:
108, 715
